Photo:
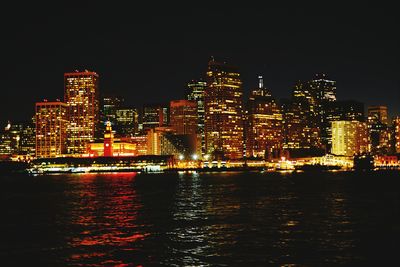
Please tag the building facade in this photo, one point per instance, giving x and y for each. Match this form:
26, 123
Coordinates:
264, 129
349, 138
195, 92
51, 129
223, 111
81, 93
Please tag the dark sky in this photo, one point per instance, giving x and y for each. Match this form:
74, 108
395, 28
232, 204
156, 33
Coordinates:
148, 53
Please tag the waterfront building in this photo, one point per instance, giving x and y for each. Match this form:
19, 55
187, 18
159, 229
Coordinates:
349, 138
51, 127
264, 136
223, 111
81, 93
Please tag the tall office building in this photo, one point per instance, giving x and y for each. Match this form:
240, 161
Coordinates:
223, 111
349, 138
195, 92
183, 116
51, 127
379, 130
264, 136
81, 93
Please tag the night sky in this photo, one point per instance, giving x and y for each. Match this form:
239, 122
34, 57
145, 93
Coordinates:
148, 53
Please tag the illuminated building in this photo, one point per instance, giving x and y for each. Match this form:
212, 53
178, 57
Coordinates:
18, 138
81, 93
301, 135
378, 130
349, 138
396, 125
154, 136
140, 142
223, 111
195, 92
154, 115
116, 147
110, 104
380, 113
108, 140
126, 121
7, 143
165, 141
51, 126
347, 110
264, 137
183, 116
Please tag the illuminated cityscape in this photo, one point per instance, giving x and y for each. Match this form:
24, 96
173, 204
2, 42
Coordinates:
213, 126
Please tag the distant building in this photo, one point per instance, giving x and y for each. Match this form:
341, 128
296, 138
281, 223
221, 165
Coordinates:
114, 147
154, 115
183, 116
379, 113
379, 130
126, 121
347, 110
51, 127
223, 111
81, 93
396, 125
349, 138
195, 92
165, 141
109, 105
264, 135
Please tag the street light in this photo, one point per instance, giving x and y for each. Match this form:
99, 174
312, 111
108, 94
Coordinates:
181, 157
195, 157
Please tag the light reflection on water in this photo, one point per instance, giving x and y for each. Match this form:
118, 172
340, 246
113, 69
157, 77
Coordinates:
192, 219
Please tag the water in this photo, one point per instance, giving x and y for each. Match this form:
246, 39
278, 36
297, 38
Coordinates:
216, 219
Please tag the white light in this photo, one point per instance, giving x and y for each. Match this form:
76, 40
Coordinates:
206, 157
195, 157
181, 157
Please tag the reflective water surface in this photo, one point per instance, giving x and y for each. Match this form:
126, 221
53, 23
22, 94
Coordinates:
210, 219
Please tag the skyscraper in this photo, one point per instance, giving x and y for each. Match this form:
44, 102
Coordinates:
223, 111
51, 126
183, 116
81, 93
264, 136
349, 138
195, 92
379, 131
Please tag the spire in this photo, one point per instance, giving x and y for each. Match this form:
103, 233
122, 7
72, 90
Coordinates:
260, 82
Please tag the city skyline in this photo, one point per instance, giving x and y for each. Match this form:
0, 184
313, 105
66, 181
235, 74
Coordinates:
153, 53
